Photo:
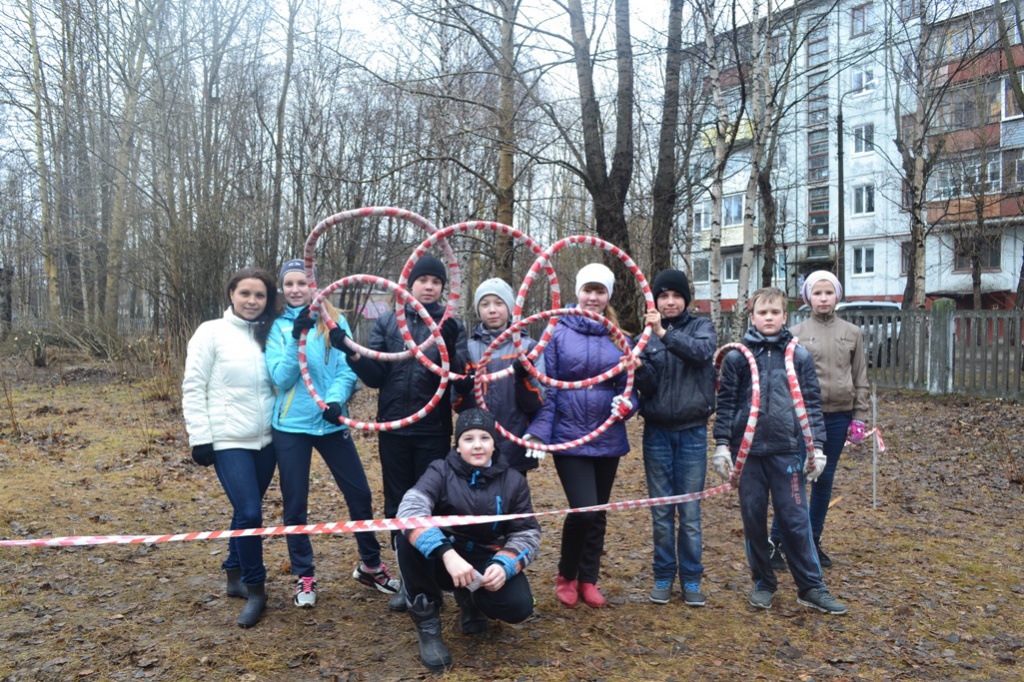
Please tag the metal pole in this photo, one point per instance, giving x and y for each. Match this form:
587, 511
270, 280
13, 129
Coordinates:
874, 449
841, 231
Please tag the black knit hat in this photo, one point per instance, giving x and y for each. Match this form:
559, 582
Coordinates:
428, 265
672, 280
475, 418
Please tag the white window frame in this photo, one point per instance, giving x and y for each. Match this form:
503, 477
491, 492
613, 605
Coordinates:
699, 263
862, 81
731, 263
864, 143
728, 200
864, 199
863, 261
1008, 99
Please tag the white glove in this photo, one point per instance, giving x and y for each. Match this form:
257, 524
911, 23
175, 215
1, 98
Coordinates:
621, 406
815, 465
534, 453
722, 462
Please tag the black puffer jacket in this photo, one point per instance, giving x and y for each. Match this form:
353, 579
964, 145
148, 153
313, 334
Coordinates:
778, 431
451, 487
406, 386
677, 379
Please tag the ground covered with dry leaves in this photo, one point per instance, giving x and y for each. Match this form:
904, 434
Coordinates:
933, 576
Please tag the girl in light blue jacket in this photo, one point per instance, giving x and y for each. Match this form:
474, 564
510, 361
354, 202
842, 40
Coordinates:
299, 425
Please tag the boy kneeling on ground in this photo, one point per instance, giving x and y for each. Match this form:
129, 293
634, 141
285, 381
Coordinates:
471, 480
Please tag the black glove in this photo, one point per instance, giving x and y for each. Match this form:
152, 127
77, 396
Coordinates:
302, 323
332, 412
520, 371
203, 455
338, 336
465, 385
450, 334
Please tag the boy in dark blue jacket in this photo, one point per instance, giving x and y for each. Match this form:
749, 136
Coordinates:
775, 464
484, 562
676, 383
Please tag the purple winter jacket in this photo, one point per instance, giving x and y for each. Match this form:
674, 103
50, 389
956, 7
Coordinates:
580, 349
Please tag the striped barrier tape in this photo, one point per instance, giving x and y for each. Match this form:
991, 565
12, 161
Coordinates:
353, 526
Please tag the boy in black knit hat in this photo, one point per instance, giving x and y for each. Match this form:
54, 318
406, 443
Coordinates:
406, 386
483, 562
676, 384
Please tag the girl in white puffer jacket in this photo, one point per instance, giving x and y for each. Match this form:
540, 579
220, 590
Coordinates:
227, 400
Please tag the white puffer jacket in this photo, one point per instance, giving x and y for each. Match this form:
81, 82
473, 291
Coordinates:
226, 394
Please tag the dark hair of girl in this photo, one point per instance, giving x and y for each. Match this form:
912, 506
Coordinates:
265, 321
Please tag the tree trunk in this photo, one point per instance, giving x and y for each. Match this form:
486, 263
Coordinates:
665, 188
503, 244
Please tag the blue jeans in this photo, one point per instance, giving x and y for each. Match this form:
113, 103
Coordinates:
676, 463
836, 426
245, 476
294, 452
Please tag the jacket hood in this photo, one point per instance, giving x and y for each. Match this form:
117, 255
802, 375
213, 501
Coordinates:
582, 325
470, 473
230, 316
756, 338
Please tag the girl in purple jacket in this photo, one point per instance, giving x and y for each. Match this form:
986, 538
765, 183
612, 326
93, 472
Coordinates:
581, 348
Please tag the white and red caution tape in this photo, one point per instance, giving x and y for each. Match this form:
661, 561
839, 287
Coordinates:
350, 526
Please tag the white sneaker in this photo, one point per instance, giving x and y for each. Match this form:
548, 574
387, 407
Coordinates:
305, 592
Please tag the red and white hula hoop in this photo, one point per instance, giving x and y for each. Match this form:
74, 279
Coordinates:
401, 294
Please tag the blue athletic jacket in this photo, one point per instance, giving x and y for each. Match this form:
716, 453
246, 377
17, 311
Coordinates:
333, 379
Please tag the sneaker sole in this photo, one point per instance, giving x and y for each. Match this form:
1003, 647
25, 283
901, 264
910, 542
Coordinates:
656, 600
694, 603
369, 582
820, 608
303, 606
763, 607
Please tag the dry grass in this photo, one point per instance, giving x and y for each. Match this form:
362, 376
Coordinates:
933, 577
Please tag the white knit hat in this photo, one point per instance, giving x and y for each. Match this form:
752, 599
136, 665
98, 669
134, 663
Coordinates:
595, 273
819, 276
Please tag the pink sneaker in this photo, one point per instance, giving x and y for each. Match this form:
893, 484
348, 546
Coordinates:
592, 596
566, 591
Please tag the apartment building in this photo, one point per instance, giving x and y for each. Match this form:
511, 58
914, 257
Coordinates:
839, 175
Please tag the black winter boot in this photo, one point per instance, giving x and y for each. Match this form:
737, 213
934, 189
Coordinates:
254, 607
822, 557
473, 620
399, 600
433, 653
235, 587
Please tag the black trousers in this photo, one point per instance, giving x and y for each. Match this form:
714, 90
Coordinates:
586, 481
403, 459
513, 603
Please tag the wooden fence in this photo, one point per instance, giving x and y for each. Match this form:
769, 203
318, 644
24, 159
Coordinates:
942, 350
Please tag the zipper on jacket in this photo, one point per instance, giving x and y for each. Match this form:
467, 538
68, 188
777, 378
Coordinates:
497, 502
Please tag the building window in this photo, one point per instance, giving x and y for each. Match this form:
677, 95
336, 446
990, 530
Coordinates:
1013, 169
910, 8
864, 260
731, 268
864, 139
817, 41
817, 98
863, 199
1010, 108
817, 156
701, 220
905, 250
732, 210
974, 105
862, 81
701, 269
968, 177
989, 251
817, 212
860, 20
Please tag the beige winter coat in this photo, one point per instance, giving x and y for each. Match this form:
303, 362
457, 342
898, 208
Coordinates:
838, 350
